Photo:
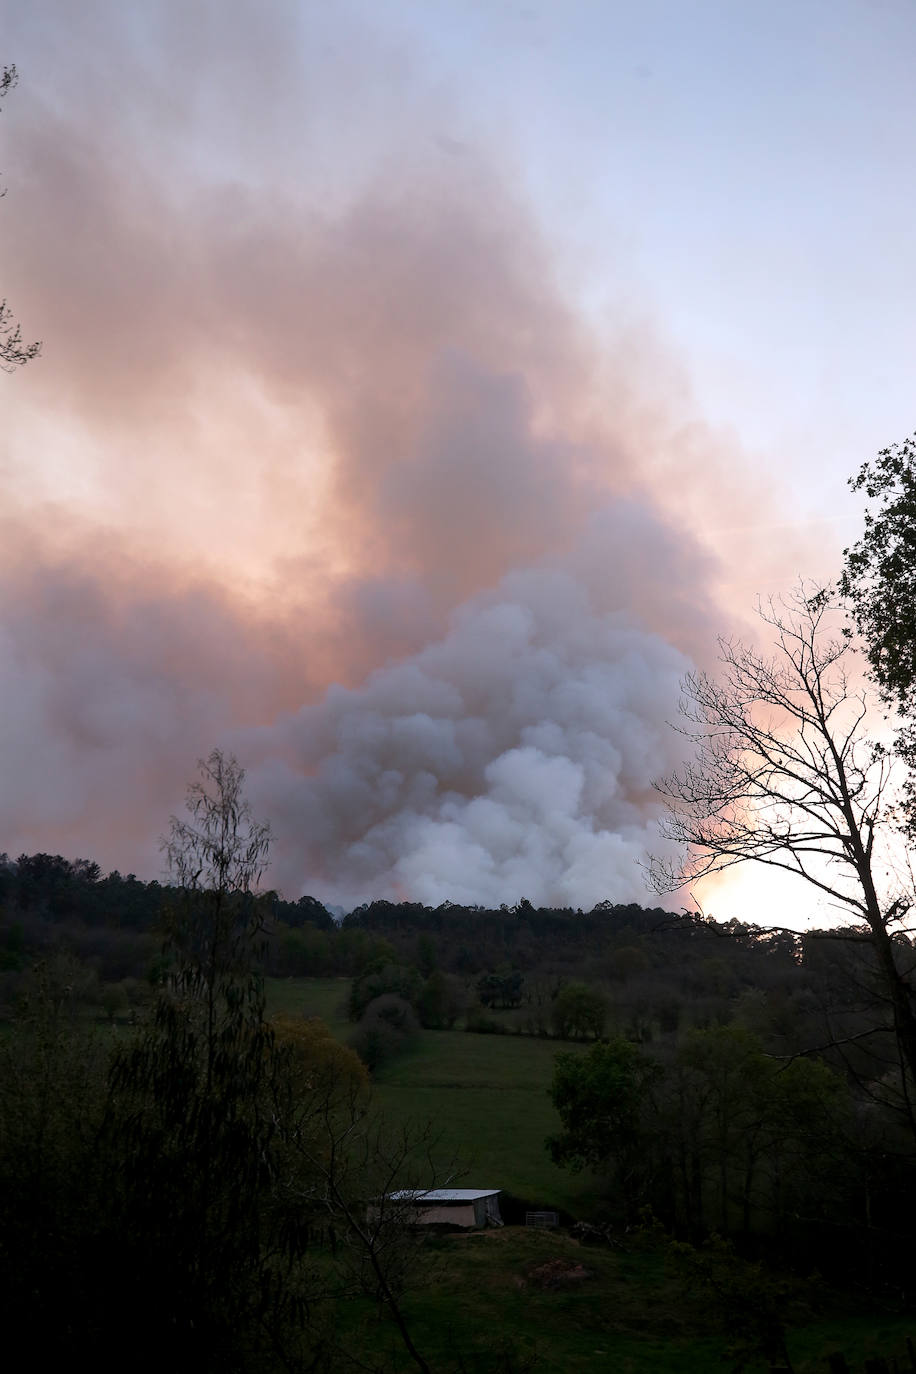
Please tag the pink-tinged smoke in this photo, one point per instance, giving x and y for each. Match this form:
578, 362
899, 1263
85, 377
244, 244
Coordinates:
351, 490
511, 757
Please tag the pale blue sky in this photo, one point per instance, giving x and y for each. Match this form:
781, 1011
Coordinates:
749, 169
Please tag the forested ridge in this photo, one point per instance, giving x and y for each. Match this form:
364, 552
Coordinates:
660, 965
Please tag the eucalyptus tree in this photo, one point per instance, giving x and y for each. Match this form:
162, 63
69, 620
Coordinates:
190, 1094
248, 1144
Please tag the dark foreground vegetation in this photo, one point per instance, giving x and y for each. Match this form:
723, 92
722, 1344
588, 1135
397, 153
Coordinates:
185, 1179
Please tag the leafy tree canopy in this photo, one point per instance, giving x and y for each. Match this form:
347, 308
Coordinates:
602, 1098
880, 572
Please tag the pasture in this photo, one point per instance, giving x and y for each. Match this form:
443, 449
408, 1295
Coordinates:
484, 1095
324, 997
518, 1299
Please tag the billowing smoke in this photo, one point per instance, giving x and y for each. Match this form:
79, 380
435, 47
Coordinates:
338, 480
512, 757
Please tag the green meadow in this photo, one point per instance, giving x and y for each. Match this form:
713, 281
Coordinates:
485, 1097
522, 1299
324, 997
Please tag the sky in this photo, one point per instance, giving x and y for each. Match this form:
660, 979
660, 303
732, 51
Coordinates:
424, 387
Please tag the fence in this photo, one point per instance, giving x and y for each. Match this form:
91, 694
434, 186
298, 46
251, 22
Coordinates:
545, 1219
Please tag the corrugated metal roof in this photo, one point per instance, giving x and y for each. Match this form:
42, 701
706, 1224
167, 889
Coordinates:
443, 1194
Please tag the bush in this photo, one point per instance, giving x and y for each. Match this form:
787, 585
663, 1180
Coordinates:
579, 1012
441, 1002
481, 1024
393, 979
387, 1026
501, 989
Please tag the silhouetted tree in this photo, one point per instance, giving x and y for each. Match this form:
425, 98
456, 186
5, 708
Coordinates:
879, 579
188, 1108
785, 775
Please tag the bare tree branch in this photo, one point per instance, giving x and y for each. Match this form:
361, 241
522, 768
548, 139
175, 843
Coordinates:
13, 352
785, 775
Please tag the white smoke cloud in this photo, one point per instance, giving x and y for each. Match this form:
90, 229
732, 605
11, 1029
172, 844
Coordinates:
281, 440
512, 758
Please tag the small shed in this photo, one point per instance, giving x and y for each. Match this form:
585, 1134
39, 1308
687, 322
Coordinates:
452, 1206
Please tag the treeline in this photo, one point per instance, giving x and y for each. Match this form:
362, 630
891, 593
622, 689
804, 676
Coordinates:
113, 925
617, 969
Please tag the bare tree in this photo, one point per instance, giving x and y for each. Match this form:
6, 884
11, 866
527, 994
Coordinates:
13, 352
786, 775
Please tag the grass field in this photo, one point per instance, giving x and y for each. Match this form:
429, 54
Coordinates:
485, 1095
626, 1311
483, 1307
487, 1098
324, 997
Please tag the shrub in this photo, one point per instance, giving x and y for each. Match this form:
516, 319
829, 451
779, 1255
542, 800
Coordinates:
393, 979
579, 1011
441, 1002
480, 1023
387, 1026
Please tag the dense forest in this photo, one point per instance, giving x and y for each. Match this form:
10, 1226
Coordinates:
657, 971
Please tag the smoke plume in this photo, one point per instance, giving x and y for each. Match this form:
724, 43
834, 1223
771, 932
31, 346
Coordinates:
512, 757
330, 473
